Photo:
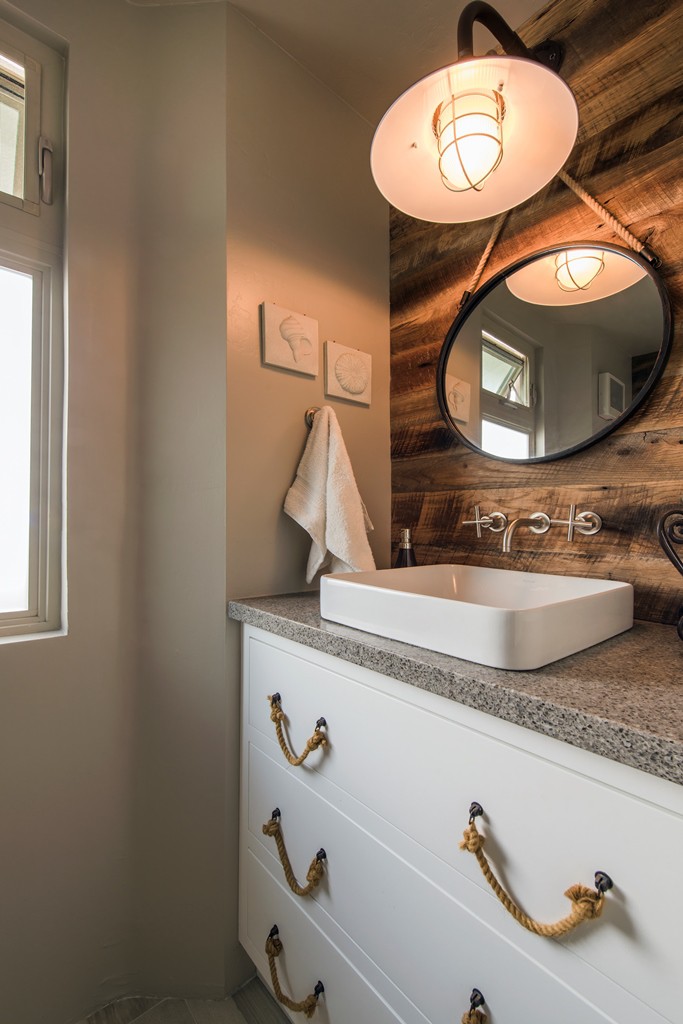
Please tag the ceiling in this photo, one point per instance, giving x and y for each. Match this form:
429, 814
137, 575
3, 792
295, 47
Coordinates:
369, 51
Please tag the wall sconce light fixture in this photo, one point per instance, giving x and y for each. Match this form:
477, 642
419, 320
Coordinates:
480, 136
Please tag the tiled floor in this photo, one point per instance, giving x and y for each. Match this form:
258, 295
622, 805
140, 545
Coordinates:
253, 1004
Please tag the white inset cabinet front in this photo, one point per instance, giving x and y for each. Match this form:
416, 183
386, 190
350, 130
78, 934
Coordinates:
403, 924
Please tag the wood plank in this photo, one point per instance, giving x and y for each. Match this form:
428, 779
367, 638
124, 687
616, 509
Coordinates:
650, 456
611, 79
630, 513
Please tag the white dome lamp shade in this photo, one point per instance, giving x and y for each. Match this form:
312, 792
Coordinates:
480, 136
575, 275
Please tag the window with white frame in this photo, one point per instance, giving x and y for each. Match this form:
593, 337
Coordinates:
12, 126
507, 390
31, 336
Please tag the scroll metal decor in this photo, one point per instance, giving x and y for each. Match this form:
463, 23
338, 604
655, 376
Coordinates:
669, 533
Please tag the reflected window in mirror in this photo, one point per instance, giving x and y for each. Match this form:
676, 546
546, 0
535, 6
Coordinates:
504, 370
508, 426
505, 442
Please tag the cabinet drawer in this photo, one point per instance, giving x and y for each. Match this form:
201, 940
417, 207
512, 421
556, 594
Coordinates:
432, 944
307, 956
417, 761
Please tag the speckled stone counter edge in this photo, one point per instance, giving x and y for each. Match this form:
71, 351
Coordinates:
473, 685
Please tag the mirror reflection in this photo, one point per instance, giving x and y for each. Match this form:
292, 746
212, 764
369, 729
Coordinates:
554, 352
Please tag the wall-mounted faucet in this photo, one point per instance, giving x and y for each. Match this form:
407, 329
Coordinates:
585, 523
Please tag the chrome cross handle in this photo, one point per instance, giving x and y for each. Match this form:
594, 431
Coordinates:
585, 523
494, 521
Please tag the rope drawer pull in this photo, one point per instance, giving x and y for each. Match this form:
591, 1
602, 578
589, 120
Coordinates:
474, 1015
306, 1006
318, 739
587, 903
315, 871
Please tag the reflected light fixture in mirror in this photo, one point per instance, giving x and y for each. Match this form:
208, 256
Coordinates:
565, 279
576, 270
480, 136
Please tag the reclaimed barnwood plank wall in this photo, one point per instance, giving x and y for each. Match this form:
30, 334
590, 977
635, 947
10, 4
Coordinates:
624, 63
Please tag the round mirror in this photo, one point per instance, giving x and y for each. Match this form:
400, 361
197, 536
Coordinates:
554, 352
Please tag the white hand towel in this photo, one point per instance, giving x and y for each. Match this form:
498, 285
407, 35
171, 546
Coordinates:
324, 499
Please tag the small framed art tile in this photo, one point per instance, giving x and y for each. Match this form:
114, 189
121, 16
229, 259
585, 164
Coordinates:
348, 373
458, 398
289, 340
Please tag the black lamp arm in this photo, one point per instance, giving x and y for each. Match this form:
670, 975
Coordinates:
549, 53
487, 16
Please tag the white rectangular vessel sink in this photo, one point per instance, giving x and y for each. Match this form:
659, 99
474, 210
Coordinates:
497, 617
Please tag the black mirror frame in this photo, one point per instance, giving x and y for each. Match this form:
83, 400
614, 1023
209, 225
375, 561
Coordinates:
480, 294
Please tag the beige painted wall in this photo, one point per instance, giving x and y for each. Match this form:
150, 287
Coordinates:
307, 230
65, 702
119, 743
185, 864
326, 245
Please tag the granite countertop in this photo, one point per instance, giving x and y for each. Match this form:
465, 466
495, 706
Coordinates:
622, 699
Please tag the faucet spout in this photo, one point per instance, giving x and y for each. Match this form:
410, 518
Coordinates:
511, 529
539, 522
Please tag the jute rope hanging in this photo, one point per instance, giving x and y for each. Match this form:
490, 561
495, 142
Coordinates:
617, 227
318, 739
306, 1006
586, 903
316, 869
481, 265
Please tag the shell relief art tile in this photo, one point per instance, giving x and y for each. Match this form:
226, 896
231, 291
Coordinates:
348, 373
289, 340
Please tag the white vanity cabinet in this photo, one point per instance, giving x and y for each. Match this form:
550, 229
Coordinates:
403, 924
